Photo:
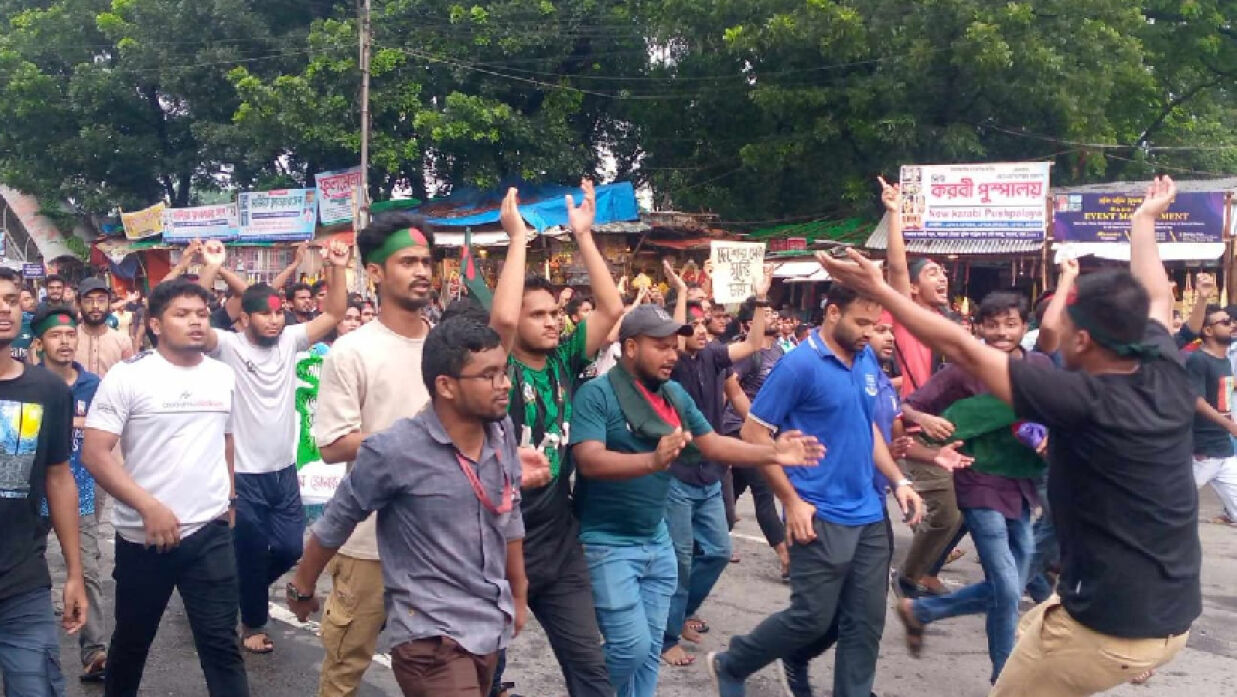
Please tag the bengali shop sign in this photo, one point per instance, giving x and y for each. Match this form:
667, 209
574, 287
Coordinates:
1193, 217
286, 214
147, 222
338, 191
1005, 201
216, 222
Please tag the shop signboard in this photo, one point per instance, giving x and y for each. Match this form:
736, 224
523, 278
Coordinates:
338, 194
995, 201
285, 214
1196, 217
215, 222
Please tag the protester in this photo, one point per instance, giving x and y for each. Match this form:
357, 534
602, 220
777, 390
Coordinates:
20, 346
171, 411
1211, 376
577, 310
996, 495
630, 425
54, 286
300, 303
369, 381
320, 290
55, 327
270, 520
1121, 481
99, 346
545, 368
839, 554
446, 485
368, 311
695, 508
37, 409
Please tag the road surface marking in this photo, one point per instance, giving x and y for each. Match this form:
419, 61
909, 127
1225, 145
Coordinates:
280, 613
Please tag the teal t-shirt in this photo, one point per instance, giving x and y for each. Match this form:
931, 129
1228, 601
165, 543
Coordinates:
631, 511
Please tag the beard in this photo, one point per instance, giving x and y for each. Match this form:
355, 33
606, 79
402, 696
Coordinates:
264, 341
410, 304
91, 320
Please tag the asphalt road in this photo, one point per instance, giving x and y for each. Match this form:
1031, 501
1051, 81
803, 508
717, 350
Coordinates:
955, 661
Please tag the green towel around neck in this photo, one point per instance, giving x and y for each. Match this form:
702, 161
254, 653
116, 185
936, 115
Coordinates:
643, 420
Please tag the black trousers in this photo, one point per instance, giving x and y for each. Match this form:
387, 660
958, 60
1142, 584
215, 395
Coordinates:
203, 569
842, 573
560, 596
767, 517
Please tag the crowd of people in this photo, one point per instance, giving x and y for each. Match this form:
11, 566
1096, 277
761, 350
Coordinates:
579, 456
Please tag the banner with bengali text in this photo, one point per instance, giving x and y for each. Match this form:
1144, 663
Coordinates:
147, 222
1196, 217
317, 478
737, 267
214, 222
1001, 201
338, 192
285, 214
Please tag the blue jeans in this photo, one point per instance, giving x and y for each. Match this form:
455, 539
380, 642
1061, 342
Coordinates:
1047, 551
1004, 546
632, 585
696, 517
270, 527
30, 645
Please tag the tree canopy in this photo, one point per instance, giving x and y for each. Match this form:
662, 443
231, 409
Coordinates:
760, 110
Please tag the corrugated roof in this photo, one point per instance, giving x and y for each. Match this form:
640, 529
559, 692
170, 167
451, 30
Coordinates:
880, 240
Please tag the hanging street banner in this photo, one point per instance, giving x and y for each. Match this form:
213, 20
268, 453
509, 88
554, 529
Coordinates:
317, 478
286, 214
339, 192
737, 266
1193, 217
216, 222
998, 201
147, 222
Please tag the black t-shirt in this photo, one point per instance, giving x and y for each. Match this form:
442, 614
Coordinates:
220, 319
1212, 379
36, 412
1121, 486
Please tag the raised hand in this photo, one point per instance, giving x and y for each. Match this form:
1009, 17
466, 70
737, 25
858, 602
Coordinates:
796, 449
891, 195
336, 253
669, 447
509, 215
1204, 285
675, 279
1160, 196
214, 253
856, 272
949, 459
301, 250
762, 286
581, 217
1070, 268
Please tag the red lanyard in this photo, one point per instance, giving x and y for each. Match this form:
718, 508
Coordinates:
507, 495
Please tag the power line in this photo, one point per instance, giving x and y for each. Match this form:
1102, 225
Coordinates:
1109, 146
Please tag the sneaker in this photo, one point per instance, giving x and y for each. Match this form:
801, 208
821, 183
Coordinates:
726, 685
794, 678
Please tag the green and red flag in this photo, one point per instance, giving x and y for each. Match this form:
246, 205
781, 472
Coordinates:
471, 276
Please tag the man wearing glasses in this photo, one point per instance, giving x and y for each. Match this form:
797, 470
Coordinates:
100, 347
1211, 375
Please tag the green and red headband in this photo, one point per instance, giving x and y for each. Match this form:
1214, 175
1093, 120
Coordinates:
269, 302
53, 320
398, 240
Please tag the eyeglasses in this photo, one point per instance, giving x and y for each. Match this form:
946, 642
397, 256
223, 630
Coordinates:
1227, 321
498, 377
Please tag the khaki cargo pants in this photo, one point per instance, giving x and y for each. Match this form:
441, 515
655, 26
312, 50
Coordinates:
1056, 656
351, 621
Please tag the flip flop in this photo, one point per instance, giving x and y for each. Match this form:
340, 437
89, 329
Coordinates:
96, 668
698, 625
268, 645
914, 630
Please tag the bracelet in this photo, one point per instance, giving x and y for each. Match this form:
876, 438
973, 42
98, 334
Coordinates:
901, 483
761, 303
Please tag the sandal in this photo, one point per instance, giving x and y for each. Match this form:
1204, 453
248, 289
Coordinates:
1143, 677
267, 645
95, 669
914, 630
697, 625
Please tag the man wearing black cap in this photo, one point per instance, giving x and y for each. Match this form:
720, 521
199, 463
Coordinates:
100, 347
628, 426
270, 520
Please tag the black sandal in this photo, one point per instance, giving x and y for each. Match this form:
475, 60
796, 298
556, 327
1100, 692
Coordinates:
95, 669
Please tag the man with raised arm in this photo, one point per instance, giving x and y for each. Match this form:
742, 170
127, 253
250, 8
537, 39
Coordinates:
1120, 482
545, 369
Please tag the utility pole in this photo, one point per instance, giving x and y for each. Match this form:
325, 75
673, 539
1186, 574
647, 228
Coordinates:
361, 213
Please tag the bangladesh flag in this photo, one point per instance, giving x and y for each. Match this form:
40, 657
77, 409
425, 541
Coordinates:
471, 277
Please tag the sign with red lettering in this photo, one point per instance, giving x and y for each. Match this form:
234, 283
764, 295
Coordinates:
1003, 200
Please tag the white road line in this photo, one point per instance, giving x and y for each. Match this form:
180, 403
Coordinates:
279, 613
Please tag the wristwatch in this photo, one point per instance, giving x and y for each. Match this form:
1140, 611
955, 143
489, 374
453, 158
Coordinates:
901, 483
294, 594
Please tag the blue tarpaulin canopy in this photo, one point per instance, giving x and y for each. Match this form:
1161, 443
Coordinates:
542, 206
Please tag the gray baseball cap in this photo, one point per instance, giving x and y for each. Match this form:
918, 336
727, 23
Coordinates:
91, 285
651, 320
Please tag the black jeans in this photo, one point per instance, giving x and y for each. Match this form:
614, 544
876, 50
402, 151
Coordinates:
560, 595
203, 569
270, 527
767, 517
842, 573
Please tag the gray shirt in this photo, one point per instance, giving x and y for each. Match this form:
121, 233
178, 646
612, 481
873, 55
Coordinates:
444, 554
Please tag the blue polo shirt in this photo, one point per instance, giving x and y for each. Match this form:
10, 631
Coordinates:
812, 391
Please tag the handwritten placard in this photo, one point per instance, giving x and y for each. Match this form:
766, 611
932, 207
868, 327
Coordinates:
737, 267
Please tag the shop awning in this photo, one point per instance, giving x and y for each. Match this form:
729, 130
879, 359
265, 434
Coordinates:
1120, 251
541, 205
880, 240
800, 271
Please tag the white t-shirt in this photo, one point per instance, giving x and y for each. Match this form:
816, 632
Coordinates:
265, 397
371, 378
171, 421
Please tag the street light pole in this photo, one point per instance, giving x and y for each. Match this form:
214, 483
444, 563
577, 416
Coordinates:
361, 212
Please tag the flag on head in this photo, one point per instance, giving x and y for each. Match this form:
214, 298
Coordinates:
471, 276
